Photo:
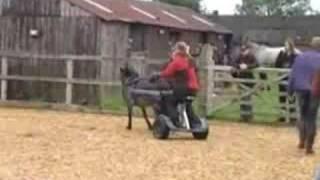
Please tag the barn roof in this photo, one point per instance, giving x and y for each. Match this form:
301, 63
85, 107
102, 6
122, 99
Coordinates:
152, 13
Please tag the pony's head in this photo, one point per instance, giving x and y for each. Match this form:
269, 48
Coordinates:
127, 72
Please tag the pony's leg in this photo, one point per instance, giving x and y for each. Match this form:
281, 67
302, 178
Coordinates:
145, 115
129, 127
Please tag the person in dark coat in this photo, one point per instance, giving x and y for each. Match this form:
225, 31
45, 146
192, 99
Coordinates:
243, 65
303, 71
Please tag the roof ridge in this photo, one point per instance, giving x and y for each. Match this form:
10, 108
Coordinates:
151, 13
166, 4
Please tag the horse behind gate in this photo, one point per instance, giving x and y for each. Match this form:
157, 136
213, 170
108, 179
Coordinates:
267, 56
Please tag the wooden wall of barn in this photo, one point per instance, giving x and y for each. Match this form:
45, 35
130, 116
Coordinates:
161, 48
30, 7
40, 8
113, 41
74, 35
58, 36
68, 9
157, 43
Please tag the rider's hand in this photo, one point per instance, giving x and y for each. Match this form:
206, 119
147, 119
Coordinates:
243, 66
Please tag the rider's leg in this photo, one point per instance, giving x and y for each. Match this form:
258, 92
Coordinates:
193, 118
171, 109
171, 102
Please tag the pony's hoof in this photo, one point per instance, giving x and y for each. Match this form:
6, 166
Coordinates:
282, 119
309, 152
301, 146
128, 128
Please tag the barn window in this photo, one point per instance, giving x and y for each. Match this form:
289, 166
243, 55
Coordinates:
174, 36
204, 38
137, 37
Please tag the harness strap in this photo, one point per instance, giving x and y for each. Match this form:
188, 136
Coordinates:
151, 92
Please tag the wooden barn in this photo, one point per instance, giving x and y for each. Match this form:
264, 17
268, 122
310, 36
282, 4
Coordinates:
114, 30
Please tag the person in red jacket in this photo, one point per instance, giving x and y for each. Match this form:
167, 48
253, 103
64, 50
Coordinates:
181, 73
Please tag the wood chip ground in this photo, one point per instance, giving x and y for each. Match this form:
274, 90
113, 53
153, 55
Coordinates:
48, 145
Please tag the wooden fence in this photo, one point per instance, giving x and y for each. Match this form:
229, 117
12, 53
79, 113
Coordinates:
104, 73
102, 77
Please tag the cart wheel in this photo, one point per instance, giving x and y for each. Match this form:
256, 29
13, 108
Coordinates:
160, 128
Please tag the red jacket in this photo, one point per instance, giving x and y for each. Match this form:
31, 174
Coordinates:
180, 63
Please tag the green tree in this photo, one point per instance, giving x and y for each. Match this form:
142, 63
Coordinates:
193, 4
274, 7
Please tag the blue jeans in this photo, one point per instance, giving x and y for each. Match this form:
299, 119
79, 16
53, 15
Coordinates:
308, 117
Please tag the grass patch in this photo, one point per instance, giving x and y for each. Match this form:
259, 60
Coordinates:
114, 103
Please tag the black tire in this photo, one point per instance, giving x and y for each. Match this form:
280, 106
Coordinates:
204, 134
201, 135
160, 128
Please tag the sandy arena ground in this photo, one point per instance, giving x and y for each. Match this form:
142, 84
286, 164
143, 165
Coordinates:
48, 145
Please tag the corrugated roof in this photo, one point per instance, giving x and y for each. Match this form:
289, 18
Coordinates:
152, 13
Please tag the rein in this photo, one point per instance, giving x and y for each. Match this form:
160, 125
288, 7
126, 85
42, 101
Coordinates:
132, 81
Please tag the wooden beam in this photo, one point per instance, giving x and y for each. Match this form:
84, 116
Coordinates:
25, 56
59, 80
69, 85
259, 69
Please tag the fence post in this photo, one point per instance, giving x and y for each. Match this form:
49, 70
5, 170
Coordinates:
4, 82
69, 85
206, 79
104, 77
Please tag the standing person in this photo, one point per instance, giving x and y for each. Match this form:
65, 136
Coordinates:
303, 71
220, 44
244, 64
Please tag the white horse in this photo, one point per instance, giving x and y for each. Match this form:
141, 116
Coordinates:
267, 56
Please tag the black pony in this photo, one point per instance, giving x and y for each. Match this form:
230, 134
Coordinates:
140, 92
